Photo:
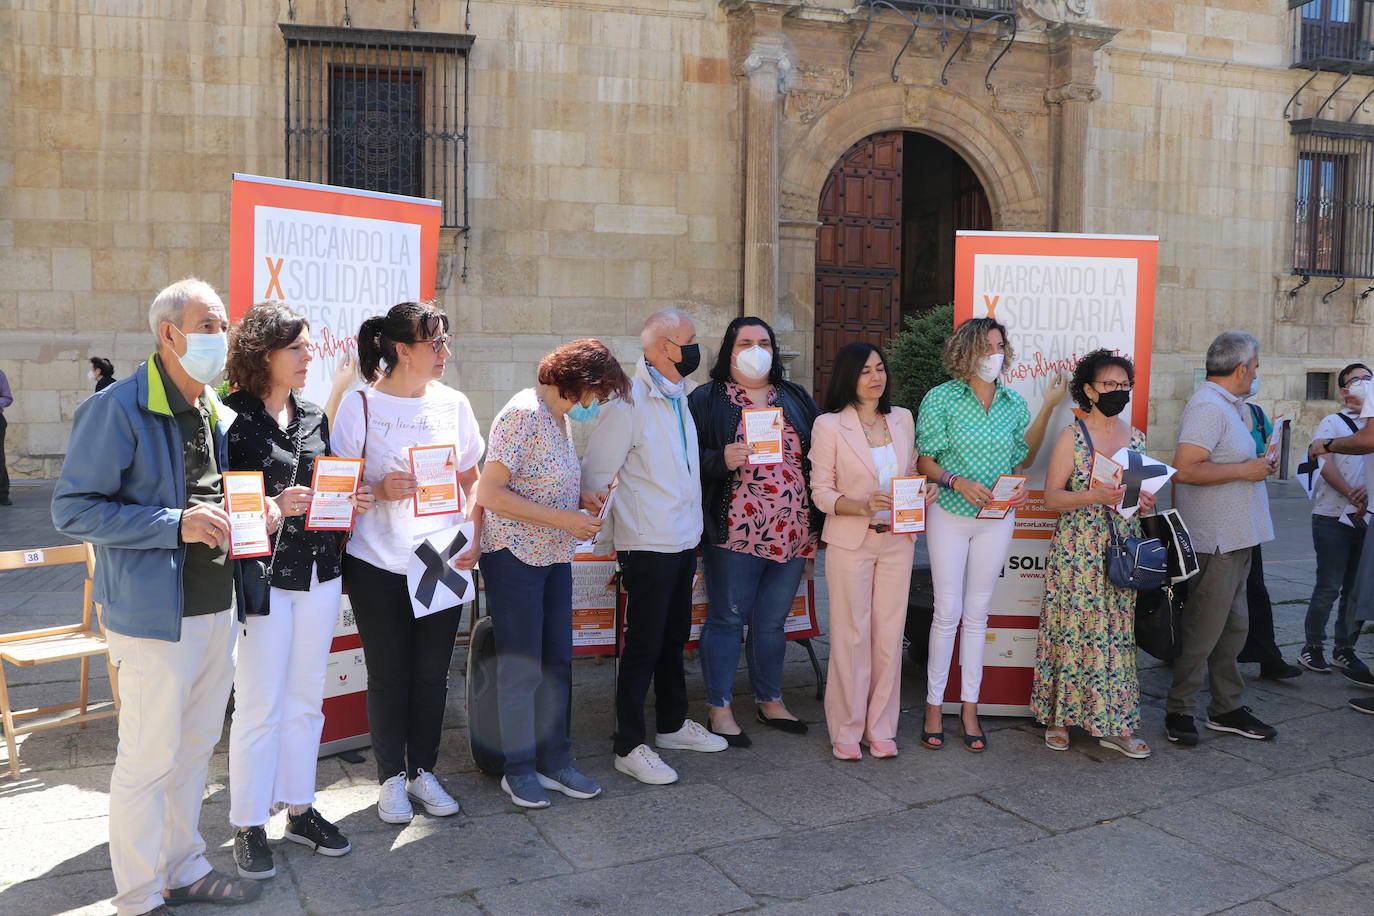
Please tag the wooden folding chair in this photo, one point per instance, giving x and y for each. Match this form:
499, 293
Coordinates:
53, 644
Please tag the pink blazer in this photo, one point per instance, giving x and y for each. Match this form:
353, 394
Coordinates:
842, 465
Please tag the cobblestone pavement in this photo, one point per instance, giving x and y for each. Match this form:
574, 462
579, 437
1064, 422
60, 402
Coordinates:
1232, 825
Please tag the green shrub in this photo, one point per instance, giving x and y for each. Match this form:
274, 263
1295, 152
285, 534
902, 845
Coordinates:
913, 356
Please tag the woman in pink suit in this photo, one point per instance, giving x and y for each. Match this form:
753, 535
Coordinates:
858, 445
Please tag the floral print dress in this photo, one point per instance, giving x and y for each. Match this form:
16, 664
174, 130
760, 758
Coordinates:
1085, 663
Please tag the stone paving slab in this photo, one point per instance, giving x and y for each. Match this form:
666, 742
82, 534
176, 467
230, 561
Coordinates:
1125, 867
890, 897
1328, 809
682, 884
1349, 892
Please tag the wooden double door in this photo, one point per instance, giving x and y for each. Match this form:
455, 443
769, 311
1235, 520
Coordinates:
870, 194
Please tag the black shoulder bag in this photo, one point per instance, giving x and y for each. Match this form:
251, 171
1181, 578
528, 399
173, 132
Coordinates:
1138, 563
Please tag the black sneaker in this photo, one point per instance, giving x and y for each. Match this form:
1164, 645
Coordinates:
1343, 657
1241, 722
1359, 673
1279, 671
311, 829
252, 854
1181, 728
1314, 659
1363, 704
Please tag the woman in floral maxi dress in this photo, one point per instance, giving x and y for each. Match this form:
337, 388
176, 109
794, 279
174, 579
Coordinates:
1085, 665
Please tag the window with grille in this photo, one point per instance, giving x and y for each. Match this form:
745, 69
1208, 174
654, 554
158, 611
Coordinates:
1333, 214
381, 110
1333, 35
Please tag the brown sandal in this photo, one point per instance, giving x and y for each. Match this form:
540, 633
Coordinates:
215, 887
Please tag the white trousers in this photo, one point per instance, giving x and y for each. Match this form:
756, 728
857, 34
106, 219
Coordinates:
274, 740
966, 558
172, 698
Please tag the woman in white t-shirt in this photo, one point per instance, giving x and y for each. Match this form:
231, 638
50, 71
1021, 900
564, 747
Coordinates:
402, 355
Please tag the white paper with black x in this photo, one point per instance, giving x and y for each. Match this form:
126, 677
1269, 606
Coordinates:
434, 583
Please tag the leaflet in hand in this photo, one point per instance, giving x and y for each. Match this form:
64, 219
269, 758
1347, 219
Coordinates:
1309, 471
436, 479
434, 582
335, 480
763, 433
1002, 491
1141, 472
610, 497
1105, 472
246, 502
908, 505
1271, 451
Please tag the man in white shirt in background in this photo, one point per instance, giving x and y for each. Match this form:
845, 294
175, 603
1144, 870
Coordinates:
654, 526
1339, 501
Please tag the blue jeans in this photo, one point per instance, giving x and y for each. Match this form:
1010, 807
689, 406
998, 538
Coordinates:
745, 589
1338, 562
531, 617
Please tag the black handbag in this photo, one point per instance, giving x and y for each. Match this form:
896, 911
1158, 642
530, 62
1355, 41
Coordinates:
1168, 527
1159, 621
257, 575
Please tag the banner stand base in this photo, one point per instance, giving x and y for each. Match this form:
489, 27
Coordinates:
344, 744
991, 709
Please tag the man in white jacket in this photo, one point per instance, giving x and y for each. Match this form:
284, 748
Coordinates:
654, 526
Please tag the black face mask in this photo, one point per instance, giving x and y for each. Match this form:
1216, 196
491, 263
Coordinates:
691, 358
1111, 403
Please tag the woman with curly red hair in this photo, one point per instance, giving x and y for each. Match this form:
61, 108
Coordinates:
528, 502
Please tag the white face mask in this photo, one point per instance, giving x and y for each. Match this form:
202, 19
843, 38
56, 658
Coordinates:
754, 362
989, 367
91, 375
1358, 388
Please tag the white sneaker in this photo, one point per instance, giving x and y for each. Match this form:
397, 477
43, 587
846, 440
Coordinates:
691, 737
426, 790
392, 804
646, 766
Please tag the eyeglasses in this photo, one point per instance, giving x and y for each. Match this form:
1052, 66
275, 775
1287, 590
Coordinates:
436, 343
1113, 386
1353, 379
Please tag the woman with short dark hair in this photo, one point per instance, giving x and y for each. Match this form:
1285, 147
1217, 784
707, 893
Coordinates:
402, 356
1085, 663
102, 373
531, 523
279, 679
858, 446
760, 526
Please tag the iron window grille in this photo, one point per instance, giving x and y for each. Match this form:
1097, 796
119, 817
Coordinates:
381, 110
1333, 214
1335, 35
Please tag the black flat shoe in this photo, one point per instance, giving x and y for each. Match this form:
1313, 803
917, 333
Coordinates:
791, 726
740, 740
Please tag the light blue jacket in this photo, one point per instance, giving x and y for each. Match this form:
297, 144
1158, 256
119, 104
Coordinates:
123, 489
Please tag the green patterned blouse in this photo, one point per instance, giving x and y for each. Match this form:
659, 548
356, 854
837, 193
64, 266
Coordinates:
953, 428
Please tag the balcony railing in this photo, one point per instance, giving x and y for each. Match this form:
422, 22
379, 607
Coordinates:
973, 9
1336, 35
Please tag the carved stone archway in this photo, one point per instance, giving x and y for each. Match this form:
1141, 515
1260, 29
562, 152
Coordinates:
1013, 178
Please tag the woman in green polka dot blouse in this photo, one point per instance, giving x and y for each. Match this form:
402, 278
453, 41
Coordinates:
970, 431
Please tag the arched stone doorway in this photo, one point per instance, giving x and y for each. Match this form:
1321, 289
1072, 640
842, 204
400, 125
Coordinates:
888, 213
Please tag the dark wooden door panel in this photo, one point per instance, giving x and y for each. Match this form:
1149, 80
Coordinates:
859, 250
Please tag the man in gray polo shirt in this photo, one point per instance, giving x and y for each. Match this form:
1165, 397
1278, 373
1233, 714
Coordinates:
1219, 490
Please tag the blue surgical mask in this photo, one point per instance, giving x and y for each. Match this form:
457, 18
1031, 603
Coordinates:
582, 414
1254, 387
205, 355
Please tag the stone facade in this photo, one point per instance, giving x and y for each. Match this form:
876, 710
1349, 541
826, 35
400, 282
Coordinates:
632, 154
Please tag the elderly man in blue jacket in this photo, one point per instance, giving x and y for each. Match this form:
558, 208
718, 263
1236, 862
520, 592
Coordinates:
143, 482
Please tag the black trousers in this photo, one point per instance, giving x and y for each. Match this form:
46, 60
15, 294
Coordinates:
1260, 645
407, 668
4, 470
658, 617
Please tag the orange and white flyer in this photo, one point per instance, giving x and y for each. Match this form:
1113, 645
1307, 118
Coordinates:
1105, 472
763, 433
246, 502
1002, 490
908, 505
610, 497
436, 479
334, 481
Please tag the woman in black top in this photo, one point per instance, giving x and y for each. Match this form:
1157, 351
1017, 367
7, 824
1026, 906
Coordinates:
279, 679
760, 527
102, 373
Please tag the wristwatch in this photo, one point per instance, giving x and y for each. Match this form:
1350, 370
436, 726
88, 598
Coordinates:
1326, 447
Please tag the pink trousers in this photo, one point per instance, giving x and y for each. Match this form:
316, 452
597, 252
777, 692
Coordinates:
868, 597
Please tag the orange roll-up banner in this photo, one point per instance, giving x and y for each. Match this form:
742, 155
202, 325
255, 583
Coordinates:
1060, 297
